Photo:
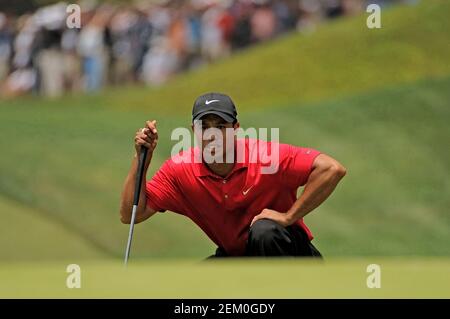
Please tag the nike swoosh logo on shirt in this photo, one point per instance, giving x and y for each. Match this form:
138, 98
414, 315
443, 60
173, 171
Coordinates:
246, 191
209, 102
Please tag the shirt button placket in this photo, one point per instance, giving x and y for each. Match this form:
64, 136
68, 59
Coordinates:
224, 181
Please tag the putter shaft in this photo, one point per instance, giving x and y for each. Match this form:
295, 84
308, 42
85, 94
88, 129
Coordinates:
137, 192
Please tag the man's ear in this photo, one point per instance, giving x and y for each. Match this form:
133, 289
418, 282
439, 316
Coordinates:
236, 125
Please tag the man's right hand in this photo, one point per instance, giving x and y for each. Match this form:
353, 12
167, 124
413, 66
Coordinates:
146, 136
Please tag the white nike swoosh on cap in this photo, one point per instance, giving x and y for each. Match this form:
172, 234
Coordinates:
209, 102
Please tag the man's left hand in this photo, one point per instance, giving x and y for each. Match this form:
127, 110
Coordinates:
281, 218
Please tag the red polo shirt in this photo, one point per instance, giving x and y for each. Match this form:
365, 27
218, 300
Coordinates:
224, 207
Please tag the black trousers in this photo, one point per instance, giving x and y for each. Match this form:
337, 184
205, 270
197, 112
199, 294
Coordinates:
267, 238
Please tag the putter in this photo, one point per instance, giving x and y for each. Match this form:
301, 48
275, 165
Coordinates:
137, 192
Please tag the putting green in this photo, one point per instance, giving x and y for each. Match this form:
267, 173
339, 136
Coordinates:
338, 278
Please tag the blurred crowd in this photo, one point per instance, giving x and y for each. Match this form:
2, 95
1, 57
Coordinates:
147, 41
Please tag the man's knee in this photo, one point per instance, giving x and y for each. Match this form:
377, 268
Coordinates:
268, 238
264, 230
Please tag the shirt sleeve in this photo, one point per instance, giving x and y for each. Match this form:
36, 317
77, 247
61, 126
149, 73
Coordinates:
162, 190
297, 164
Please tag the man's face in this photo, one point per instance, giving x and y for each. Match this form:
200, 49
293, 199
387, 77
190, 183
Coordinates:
211, 141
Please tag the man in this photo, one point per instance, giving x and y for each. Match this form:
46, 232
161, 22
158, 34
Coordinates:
244, 209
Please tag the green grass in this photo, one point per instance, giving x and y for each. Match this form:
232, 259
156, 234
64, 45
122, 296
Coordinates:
400, 278
377, 100
29, 234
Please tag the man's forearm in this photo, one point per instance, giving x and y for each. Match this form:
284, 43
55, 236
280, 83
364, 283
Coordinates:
128, 191
319, 186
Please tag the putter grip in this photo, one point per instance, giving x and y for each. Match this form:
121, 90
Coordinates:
140, 174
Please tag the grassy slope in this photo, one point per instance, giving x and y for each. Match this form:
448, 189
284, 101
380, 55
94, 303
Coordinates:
396, 191
26, 234
341, 58
67, 158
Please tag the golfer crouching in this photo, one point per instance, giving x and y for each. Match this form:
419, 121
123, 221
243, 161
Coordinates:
241, 192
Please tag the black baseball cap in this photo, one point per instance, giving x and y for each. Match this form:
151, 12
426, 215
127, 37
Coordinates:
214, 103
